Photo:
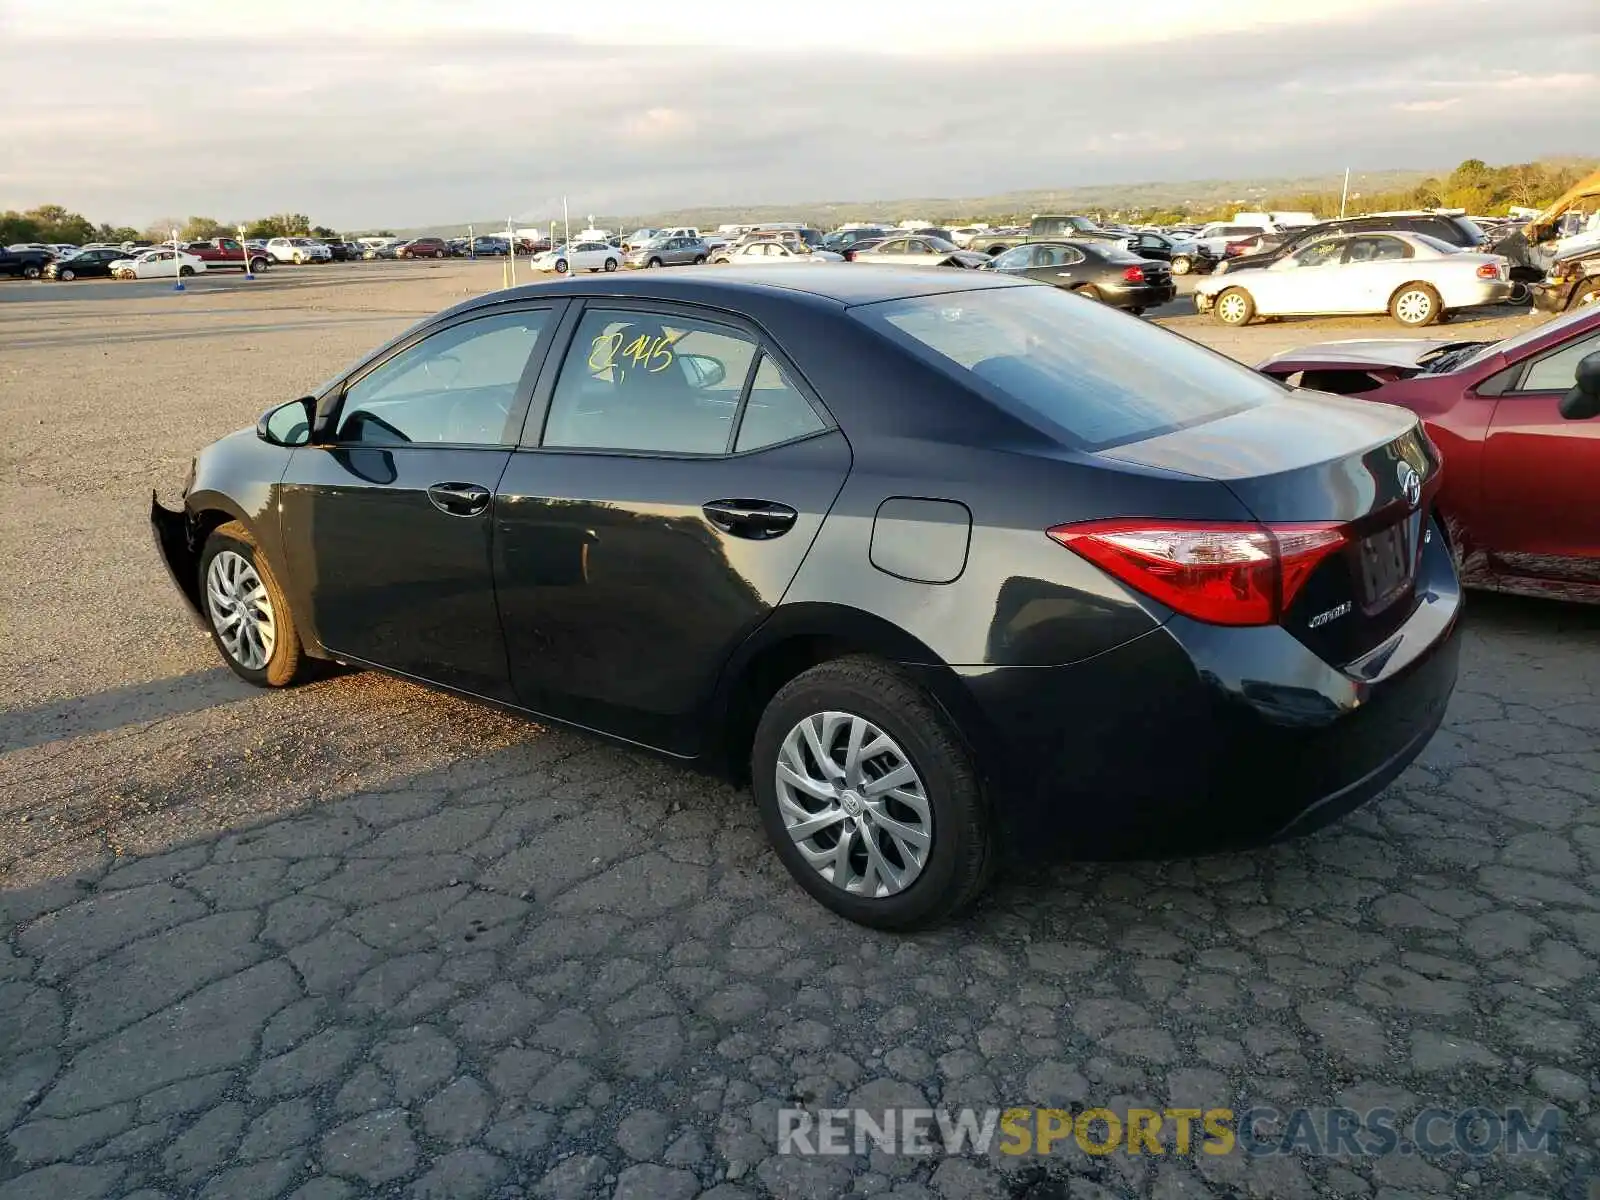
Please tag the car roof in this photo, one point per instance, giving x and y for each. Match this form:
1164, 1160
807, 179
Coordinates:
838, 283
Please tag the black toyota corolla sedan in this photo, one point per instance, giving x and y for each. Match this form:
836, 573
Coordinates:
942, 562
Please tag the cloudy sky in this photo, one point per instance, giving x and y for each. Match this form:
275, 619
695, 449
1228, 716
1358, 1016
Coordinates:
407, 112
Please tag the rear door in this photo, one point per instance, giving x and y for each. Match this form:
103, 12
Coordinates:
387, 527
674, 472
1375, 264
1541, 516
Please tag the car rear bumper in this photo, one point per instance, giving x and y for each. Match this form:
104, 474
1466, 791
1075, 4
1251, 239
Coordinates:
1144, 295
1195, 739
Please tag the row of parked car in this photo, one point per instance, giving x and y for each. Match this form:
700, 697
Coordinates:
1419, 267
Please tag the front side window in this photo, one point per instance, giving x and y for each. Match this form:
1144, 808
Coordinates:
1013, 259
1558, 370
657, 383
455, 387
1083, 373
1320, 254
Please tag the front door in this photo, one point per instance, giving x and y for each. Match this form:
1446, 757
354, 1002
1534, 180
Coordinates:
657, 517
388, 527
1539, 470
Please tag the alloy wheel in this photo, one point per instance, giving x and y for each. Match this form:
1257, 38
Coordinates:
241, 610
1231, 309
854, 804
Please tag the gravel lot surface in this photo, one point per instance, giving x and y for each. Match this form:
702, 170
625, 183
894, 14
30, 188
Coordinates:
362, 939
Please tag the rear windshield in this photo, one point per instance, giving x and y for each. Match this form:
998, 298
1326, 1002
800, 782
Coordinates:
1090, 376
1471, 230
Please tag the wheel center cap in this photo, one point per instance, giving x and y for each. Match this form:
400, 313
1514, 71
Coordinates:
851, 803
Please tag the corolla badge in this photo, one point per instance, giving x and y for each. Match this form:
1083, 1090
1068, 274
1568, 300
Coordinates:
1410, 483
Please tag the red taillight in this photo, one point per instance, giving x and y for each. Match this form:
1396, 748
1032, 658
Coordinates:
1488, 271
1223, 573
1133, 275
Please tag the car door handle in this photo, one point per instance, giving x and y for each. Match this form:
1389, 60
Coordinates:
459, 499
756, 519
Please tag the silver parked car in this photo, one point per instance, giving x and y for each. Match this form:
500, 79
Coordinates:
920, 251
668, 252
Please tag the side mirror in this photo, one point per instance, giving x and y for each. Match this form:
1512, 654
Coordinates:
288, 424
1583, 401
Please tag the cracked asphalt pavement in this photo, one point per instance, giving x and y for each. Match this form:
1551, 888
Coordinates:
360, 939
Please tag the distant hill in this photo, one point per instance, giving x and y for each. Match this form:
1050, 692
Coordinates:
1199, 198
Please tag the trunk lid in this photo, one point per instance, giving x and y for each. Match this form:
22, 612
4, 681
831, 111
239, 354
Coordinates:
1311, 458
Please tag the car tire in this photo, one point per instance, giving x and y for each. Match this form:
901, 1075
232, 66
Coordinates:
184, 272
229, 560
700, 260
32, 272
611, 264
958, 857
1088, 291
1584, 294
67, 275
258, 266
1234, 307
654, 262
1415, 305
561, 266
439, 254
1521, 293
1182, 265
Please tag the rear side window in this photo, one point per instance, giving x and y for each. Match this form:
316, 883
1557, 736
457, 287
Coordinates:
1091, 377
775, 411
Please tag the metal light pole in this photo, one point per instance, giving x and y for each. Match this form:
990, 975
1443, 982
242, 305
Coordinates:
1345, 194
511, 248
245, 250
177, 265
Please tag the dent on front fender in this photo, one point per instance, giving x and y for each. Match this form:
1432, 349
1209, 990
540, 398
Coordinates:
175, 542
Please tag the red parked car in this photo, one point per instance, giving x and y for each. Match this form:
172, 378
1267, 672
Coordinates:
1519, 496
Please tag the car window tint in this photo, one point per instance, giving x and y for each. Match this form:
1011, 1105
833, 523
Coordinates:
1086, 374
455, 387
652, 382
1012, 259
776, 411
1558, 371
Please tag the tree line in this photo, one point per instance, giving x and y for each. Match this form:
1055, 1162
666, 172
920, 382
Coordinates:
1474, 186
53, 223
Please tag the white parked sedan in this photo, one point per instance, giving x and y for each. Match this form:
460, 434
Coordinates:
1414, 278
157, 264
767, 253
580, 256
298, 250
922, 251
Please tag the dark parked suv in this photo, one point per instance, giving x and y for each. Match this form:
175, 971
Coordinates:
424, 247
1457, 231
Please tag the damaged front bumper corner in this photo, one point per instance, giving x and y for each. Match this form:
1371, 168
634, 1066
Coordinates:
174, 538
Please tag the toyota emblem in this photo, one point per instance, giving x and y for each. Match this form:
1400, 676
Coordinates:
1410, 483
